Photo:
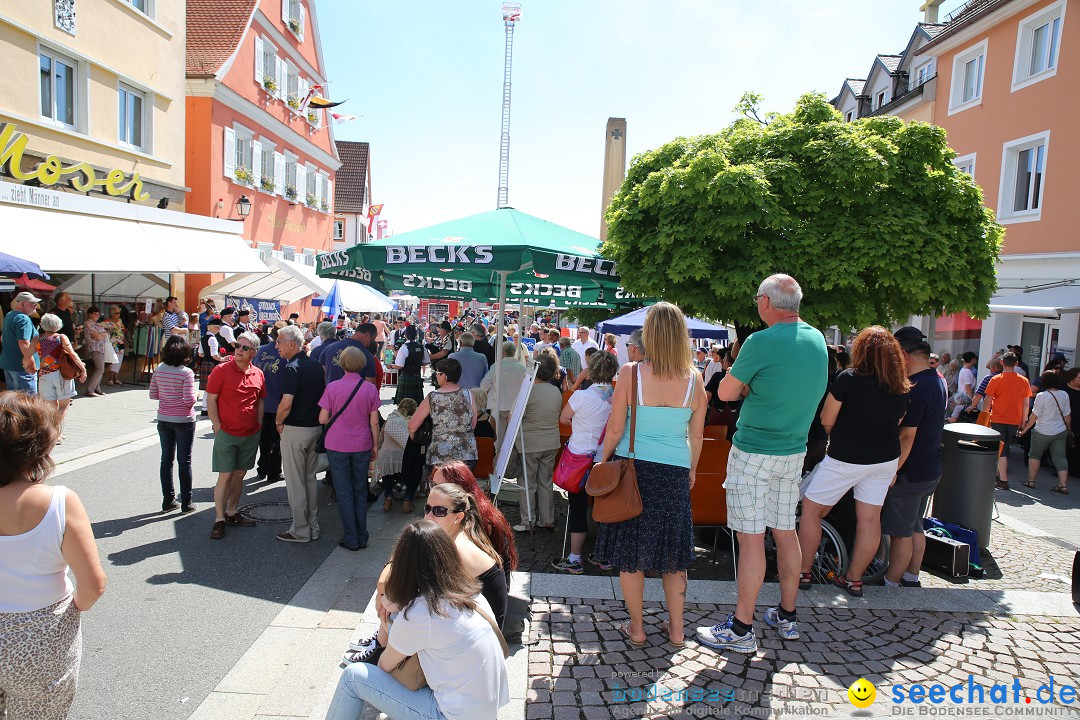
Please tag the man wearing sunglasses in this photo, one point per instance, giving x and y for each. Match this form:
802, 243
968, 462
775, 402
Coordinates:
235, 392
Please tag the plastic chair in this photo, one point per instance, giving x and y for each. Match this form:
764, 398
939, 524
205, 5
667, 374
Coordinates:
485, 453
708, 499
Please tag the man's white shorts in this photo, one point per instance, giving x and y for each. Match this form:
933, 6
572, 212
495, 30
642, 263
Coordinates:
832, 478
762, 491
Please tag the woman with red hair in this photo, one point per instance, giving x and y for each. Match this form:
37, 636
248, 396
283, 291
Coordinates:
493, 521
862, 414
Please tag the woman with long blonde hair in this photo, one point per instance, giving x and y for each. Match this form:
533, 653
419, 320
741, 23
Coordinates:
862, 414
670, 412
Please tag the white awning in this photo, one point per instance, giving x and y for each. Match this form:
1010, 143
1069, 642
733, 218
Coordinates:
280, 280
1048, 302
290, 281
69, 242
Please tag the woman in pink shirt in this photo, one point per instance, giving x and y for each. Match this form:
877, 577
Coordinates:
350, 407
173, 386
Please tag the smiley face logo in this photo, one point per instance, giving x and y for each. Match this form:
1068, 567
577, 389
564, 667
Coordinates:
862, 693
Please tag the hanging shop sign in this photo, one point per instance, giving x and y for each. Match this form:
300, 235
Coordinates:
261, 310
51, 171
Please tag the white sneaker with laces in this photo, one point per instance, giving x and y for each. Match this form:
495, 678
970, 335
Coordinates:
788, 629
721, 637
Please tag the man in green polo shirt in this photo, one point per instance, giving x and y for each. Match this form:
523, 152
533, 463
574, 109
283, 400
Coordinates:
781, 371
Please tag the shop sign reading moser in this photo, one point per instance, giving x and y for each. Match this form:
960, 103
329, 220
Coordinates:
50, 171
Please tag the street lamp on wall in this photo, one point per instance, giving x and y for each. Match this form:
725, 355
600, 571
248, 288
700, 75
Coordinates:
243, 207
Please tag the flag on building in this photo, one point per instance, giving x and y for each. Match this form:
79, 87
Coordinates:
372, 213
339, 118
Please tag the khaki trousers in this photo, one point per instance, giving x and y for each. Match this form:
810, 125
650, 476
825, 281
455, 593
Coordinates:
539, 470
298, 460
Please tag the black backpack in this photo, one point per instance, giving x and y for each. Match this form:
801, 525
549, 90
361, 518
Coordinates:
415, 361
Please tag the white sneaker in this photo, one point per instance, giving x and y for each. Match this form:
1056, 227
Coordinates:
522, 527
788, 629
721, 637
364, 643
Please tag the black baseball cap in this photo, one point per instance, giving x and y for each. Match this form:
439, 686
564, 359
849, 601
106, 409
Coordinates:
911, 338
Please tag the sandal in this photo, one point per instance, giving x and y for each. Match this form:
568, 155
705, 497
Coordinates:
1029, 484
1001, 485
806, 581
853, 587
666, 627
1064, 490
625, 630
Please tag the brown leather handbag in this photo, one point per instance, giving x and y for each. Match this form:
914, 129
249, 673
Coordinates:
613, 484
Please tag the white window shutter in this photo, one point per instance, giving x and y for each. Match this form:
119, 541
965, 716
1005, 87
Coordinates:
301, 183
260, 53
230, 153
330, 194
279, 173
256, 162
282, 72
302, 84
318, 188
285, 12
303, 20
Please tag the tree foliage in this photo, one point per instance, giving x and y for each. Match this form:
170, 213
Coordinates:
871, 217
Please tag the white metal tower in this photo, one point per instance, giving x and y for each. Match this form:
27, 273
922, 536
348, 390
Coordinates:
511, 14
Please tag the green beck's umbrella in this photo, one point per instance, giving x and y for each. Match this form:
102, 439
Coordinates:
539, 262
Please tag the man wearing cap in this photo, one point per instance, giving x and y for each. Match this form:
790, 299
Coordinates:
919, 465
443, 345
362, 338
18, 358
228, 325
244, 320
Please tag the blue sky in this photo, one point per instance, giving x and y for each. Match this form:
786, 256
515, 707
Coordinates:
426, 76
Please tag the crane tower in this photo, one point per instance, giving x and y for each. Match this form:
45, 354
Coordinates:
511, 13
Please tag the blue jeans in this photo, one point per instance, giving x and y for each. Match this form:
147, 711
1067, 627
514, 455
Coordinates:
21, 381
349, 473
361, 682
176, 440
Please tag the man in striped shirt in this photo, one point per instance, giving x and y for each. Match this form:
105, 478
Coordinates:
171, 318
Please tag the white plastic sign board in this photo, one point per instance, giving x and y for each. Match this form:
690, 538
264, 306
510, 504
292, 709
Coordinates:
513, 426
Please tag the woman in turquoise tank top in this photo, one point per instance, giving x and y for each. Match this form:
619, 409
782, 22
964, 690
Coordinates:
670, 420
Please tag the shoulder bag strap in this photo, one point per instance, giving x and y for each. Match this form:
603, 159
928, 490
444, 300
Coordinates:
498, 632
338, 413
1051, 392
633, 407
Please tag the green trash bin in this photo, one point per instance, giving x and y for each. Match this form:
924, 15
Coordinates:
965, 495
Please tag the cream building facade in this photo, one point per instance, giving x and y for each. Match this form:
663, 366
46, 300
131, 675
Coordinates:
92, 150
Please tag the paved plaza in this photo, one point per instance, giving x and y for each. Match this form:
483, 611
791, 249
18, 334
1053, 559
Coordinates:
252, 628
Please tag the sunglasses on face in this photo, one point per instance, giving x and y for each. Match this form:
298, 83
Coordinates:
437, 510
245, 348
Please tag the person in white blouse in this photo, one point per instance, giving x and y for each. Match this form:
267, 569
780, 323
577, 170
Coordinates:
1051, 418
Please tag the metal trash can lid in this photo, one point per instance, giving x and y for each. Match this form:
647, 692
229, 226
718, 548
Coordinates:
970, 436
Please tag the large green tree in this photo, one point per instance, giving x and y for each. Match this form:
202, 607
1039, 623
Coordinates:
871, 217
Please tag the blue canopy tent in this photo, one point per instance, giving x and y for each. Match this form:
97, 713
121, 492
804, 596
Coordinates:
626, 324
15, 266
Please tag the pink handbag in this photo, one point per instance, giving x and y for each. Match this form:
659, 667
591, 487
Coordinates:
571, 469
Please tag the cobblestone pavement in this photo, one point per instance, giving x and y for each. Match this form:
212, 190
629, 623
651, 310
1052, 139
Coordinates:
1014, 561
582, 667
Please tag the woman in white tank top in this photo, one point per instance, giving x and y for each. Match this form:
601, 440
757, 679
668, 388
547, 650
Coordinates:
44, 532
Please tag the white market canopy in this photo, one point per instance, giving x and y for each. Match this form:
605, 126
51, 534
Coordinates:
290, 281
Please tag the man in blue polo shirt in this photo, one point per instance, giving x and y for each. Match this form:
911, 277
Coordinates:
269, 360
362, 338
18, 358
920, 463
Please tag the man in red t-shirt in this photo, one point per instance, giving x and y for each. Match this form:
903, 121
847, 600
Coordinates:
1008, 395
235, 392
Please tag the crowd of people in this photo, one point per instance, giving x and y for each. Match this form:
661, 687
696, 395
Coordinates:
808, 424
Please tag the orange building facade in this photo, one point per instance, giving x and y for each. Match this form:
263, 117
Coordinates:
251, 145
999, 77
1007, 73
